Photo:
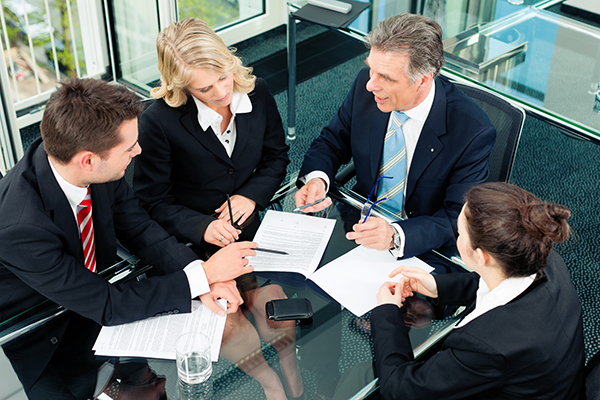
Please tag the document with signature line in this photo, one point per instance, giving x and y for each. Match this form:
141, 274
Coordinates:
303, 237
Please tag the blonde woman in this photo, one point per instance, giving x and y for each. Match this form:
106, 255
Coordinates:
215, 131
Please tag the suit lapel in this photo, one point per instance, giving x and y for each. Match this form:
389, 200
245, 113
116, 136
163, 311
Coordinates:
242, 126
378, 124
429, 144
206, 138
56, 203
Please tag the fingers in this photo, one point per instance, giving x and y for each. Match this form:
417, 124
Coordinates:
313, 190
241, 208
373, 234
221, 233
209, 302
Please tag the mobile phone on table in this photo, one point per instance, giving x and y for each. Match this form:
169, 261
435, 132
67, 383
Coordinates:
289, 309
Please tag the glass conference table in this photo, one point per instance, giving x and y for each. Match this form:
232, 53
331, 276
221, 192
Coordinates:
525, 50
333, 348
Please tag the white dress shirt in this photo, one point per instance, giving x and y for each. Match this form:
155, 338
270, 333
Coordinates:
194, 270
412, 131
488, 299
209, 118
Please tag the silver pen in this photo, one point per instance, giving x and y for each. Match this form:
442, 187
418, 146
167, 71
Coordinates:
310, 205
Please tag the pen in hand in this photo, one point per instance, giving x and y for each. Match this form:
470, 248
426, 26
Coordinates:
230, 213
310, 205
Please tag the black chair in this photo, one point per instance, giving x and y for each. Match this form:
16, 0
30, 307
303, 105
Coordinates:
508, 120
592, 378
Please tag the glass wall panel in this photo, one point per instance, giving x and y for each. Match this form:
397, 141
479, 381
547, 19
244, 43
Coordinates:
136, 27
220, 13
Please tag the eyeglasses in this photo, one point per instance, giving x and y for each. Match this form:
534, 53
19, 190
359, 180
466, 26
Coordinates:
368, 206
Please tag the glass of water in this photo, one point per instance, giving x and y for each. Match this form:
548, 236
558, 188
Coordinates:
194, 365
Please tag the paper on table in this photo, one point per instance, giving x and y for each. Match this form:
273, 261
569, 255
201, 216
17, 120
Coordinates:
155, 337
354, 279
303, 237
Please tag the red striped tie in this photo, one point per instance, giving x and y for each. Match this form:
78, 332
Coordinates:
84, 218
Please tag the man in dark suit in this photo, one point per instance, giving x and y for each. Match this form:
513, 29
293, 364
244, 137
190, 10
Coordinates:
89, 136
448, 139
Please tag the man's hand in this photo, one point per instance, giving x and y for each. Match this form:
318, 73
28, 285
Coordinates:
312, 191
373, 234
221, 233
223, 290
229, 262
241, 207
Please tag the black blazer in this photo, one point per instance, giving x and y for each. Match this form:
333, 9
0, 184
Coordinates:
451, 156
531, 348
184, 173
41, 255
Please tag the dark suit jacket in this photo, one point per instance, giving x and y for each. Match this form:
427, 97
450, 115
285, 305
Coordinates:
451, 156
41, 255
184, 173
530, 348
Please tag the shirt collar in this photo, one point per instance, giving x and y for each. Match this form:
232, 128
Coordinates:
421, 111
74, 194
240, 104
502, 294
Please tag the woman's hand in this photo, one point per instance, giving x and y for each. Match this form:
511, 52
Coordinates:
392, 293
221, 233
417, 280
241, 207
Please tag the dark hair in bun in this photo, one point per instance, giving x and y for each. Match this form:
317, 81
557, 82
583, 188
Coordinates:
514, 226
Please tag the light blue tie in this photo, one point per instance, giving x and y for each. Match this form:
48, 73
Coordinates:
393, 163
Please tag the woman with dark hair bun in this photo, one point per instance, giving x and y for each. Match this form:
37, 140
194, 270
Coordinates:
522, 335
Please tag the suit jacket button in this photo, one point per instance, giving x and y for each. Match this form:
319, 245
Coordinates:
230, 171
54, 340
176, 311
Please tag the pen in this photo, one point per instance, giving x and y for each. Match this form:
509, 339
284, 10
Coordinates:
310, 205
230, 213
283, 253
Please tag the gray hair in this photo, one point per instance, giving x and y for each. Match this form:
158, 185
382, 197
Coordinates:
415, 35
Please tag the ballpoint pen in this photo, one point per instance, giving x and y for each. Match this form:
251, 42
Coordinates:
230, 213
283, 253
310, 205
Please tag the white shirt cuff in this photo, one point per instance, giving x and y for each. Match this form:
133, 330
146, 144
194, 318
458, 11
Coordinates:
196, 278
316, 174
398, 252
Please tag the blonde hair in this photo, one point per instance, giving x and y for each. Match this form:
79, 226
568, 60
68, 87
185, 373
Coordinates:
187, 45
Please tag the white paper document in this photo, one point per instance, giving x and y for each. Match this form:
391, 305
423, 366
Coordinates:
303, 237
155, 337
354, 279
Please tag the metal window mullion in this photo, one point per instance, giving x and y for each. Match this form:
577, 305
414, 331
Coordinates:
73, 41
10, 59
52, 41
111, 53
30, 40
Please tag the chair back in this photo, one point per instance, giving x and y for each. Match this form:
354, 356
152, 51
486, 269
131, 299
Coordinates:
508, 120
130, 168
592, 378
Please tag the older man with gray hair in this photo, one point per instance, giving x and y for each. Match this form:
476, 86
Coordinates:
418, 143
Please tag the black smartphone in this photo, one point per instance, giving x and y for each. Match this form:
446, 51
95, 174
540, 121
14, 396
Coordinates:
289, 309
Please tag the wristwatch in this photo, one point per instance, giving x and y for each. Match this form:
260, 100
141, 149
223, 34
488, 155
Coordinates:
396, 238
